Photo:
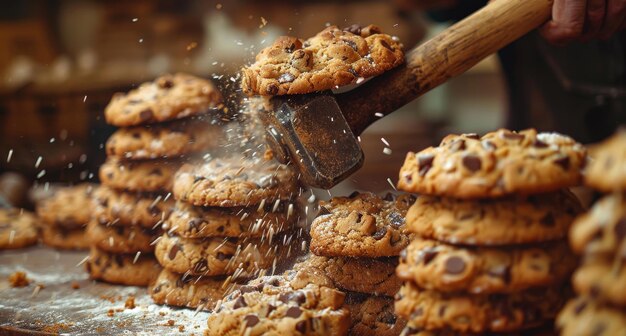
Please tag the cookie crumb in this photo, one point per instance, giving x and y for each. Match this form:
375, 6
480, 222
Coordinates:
268, 155
110, 313
170, 322
19, 279
130, 303
75, 285
181, 328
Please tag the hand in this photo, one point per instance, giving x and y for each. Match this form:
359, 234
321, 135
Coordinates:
584, 20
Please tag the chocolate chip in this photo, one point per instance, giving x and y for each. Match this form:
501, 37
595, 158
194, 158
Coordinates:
182, 280
620, 229
548, 219
174, 251
389, 197
251, 320
472, 162
301, 327
297, 297
540, 144
513, 136
193, 224
293, 312
563, 162
271, 89
200, 266
240, 303
156, 171
428, 255
270, 309
248, 289
580, 307
380, 233
119, 260
286, 78
458, 145
395, 219
166, 83
354, 29
442, 310
386, 45
222, 256
425, 162
351, 43
155, 290
472, 136
146, 115
198, 178
455, 265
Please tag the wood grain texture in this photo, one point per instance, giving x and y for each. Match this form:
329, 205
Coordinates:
447, 55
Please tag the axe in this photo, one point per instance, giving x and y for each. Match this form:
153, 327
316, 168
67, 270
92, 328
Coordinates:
318, 132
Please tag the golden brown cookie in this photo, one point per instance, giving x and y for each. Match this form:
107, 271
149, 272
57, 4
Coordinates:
189, 221
270, 305
189, 291
120, 208
484, 270
172, 140
123, 269
64, 239
499, 163
121, 239
583, 316
218, 256
602, 229
606, 169
139, 176
234, 182
330, 59
364, 275
363, 225
432, 310
166, 98
18, 228
512, 220
69, 207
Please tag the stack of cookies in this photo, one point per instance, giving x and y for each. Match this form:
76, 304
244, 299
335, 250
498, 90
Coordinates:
64, 217
163, 123
598, 235
490, 254
232, 221
356, 241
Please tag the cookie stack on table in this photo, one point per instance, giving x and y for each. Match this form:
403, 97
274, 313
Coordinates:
232, 221
490, 254
64, 217
163, 123
598, 235
356, 241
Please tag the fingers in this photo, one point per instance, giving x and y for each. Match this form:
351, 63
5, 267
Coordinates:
568, 20
594, 19
614, 19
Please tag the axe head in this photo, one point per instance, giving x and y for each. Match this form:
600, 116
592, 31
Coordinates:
311, 133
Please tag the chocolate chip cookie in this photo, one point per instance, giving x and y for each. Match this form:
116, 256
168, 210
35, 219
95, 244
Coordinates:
499, 163
189, 221
123, 269
121, 239
217, 256
271, 306
166, 98
234, 181
69, 207
63, 238
432, 310
512, 220
446, 268
18, 228
119, 208
171, 140
139, 176
332, 58
363, 225
602, 229
373, 316
183, 290
363, 275
603, 279
583, 316
605, 170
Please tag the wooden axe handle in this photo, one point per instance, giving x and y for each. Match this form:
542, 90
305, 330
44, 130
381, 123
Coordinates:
447, 55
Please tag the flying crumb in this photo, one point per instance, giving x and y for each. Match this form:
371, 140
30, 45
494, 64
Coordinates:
19, 279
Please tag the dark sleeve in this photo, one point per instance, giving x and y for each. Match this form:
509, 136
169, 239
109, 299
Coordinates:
458, 12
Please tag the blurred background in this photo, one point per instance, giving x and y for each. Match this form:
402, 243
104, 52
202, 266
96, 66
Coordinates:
60, 62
